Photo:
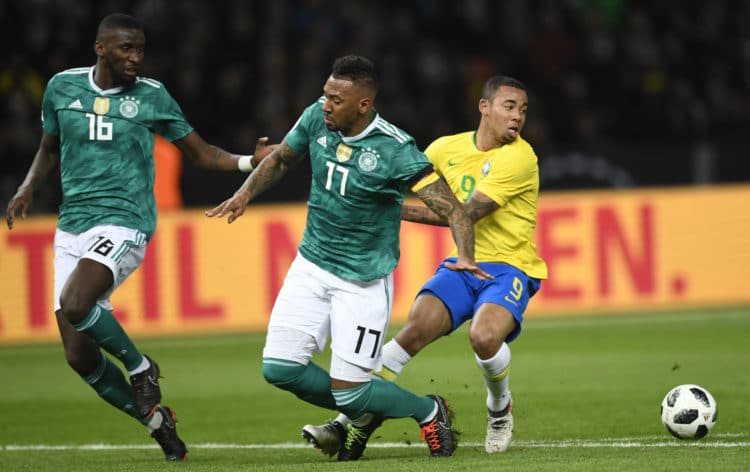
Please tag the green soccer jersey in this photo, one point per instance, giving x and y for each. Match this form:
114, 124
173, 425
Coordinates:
358, 184
107, 148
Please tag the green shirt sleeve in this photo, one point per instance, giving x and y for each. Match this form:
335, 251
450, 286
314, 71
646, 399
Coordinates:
169, 121
49, 115
410, 163
298, 138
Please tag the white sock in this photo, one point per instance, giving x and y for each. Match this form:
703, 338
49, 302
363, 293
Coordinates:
395, 357
142, 367
496, 371
155, 422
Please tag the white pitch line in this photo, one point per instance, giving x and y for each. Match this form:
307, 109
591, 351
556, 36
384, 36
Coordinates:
613, 443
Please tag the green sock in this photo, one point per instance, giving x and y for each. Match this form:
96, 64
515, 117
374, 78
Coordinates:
110, 383
104, 328
383, 398
309, 382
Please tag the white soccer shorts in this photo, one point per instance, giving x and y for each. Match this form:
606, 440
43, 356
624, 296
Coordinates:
314, 303
120, 249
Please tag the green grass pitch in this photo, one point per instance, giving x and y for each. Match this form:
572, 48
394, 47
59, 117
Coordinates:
587, 393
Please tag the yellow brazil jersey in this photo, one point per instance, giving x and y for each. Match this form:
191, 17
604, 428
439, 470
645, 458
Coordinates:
509, 175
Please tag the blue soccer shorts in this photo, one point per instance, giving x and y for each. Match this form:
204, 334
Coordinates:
463, 293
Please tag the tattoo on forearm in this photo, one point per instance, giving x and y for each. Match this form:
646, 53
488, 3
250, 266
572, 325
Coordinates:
477, 209
287, 156
438, 197
421, 214
463, 235
271, 170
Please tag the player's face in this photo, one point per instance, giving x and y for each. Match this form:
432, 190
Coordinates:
122, 51
344, 106
505, 115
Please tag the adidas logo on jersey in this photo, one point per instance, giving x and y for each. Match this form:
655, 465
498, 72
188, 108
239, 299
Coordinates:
322, 141
76, 105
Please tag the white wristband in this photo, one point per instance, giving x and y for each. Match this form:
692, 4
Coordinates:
245, 164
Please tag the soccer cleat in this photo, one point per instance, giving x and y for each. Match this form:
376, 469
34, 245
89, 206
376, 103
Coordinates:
326, 437
146, 391
438, 433
499, 429
356, 439
173, 447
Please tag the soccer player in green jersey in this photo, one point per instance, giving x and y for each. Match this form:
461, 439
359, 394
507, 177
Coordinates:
341, 283
494, 171
98, 124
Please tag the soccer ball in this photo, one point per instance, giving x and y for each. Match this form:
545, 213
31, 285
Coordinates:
689, 411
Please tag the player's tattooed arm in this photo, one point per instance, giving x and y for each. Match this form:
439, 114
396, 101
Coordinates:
477, 208
439, 198
421, 214
441, 201
269, 171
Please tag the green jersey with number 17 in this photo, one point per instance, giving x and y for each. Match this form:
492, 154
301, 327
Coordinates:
356, 194
107, 148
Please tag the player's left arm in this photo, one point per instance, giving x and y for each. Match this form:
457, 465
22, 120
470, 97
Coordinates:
208, 156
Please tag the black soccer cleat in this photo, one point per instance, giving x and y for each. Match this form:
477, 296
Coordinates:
173, 447
146, 391
438, 433
356, 439
328, 437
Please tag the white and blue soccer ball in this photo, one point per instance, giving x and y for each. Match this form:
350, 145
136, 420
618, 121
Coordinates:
689, 411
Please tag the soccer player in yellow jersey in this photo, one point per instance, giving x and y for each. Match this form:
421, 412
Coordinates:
494, 172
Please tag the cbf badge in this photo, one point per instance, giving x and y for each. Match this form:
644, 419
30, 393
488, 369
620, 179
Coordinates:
368, 160
343, 152
101, 105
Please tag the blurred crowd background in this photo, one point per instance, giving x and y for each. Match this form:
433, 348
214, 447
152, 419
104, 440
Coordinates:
622, 93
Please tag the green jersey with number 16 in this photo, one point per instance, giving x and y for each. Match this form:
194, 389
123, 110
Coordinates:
357, 189
107, 147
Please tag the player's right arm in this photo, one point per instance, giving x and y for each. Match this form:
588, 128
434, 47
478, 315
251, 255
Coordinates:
208, 156
47, 157
438, 197
478, 206
269, 171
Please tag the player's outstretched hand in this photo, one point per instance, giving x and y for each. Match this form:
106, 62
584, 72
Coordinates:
469, 266
235, 205
21, 200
